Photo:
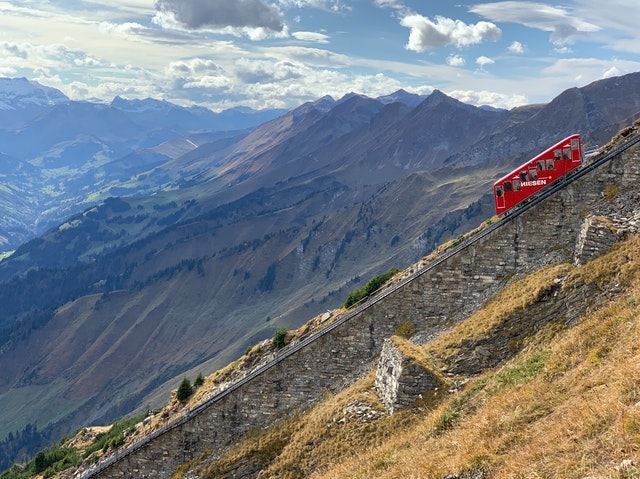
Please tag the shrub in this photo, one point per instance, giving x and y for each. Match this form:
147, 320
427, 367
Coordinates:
405, 330
184, 390
371, 287
199, 381
279, 338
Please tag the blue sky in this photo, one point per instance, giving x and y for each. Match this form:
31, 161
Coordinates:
281, 53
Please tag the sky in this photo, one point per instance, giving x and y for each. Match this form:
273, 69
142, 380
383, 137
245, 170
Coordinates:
281, 53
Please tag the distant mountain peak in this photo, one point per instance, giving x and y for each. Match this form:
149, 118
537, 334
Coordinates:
438, 96
322, 105
17, 93
140, 105
402, 96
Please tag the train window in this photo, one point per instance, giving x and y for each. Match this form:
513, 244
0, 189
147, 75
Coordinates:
507, 186
498, 191
557, 154
550, 165
533, 175
540, 165
516, 185
567, 154
574, 144
523, 175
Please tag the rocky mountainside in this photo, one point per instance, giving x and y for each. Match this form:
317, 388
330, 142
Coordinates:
247, 234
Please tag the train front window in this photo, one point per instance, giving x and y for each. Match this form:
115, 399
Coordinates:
499, 191
574, 144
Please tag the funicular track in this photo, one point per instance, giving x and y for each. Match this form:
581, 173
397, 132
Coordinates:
509, 216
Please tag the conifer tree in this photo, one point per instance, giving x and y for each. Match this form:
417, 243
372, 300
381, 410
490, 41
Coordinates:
184, 390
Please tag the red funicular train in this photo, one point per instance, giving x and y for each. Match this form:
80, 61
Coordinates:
537, 173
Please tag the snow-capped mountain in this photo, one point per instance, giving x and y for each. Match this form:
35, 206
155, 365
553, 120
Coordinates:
17, 93
402, 96
21, 100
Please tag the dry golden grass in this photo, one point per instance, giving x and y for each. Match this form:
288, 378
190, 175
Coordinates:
515, 298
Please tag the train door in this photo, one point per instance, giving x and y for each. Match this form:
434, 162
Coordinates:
499, 194
576, 154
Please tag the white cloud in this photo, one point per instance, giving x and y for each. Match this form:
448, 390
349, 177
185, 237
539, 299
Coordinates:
618, 21
455, 61
494, 99
588, 69
516, 47
42, 57
264, 71
426, 34
11, 49
564, 50
311, 37
562, 23
611, 72
482, 61
190, 73
332, 5
311, 57
127, 29
397, 4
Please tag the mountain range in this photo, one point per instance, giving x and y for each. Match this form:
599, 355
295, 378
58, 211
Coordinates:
168, 245
59, 156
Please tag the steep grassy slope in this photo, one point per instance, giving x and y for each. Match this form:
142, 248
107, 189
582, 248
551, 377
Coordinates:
565, 406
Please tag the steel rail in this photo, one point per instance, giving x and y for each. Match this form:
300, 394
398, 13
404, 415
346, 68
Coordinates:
377, 297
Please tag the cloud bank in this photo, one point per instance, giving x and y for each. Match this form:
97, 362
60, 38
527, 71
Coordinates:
563, 24
220, 14
427, 34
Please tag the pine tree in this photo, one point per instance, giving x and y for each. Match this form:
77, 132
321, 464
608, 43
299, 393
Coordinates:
184, 390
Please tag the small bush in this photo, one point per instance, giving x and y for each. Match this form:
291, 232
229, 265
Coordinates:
184, 390
199, 381
610, 193
114, 436
279, 338
405, 330
457, 241
371, 287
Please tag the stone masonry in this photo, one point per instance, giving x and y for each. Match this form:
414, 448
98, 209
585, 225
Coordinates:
449, 292
402, 376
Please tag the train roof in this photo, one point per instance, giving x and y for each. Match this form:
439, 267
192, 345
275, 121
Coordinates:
515, 171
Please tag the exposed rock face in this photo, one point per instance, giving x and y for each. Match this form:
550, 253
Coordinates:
402, 377
610, 220
596, 236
